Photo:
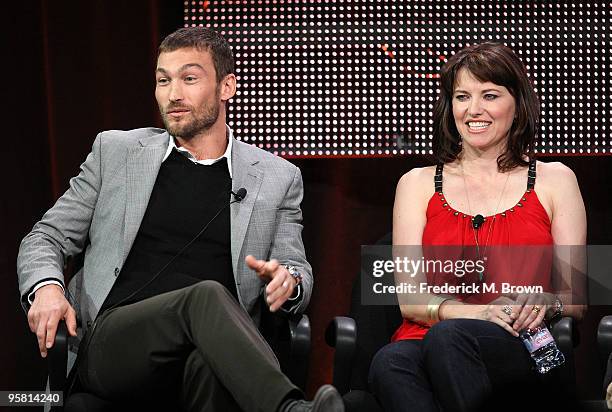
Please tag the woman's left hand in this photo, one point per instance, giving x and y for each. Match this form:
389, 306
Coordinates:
532, 310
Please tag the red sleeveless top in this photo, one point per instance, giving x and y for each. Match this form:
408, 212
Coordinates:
527, 223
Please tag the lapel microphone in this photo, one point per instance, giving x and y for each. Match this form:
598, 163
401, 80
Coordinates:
477, 221
240, 194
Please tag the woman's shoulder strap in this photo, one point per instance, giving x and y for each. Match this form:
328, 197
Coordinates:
531, 174
438, 177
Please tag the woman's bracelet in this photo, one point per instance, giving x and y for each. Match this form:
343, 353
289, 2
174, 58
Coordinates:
433, 309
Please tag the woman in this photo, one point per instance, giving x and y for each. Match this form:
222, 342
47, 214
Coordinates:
455, 354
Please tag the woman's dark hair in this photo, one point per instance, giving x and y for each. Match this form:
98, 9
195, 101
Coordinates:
202, 39
496, 63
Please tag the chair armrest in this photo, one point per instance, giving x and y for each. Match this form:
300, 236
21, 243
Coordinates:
566, 336
604, 337
297, 354
604, 342
341, 333
299, 331
57, 358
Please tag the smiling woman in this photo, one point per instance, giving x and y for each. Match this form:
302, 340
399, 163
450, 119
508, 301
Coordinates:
446, 353
471, 84
483, 112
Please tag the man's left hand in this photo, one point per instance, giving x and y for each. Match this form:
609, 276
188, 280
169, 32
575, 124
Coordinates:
280, 282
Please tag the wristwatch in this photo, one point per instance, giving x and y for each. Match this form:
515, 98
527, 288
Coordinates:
557, 309
295, 274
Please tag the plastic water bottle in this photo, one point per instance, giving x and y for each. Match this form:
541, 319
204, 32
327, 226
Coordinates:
542, 347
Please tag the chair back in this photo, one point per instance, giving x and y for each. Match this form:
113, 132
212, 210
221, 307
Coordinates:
375, 326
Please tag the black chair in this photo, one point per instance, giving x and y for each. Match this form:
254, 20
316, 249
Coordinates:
289, 337
357, 338
604, 341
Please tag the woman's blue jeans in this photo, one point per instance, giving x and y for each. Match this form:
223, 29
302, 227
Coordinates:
460, 365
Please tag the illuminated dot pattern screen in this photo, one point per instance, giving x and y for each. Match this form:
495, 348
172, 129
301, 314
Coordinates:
356, 78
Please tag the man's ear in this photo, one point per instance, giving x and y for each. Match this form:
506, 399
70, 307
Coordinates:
228, 87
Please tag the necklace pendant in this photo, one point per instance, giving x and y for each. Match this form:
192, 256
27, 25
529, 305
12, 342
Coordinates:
480, 275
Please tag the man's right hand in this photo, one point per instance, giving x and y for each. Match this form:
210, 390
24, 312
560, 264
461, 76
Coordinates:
49, 307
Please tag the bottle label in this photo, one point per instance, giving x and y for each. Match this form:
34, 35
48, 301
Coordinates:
539, 339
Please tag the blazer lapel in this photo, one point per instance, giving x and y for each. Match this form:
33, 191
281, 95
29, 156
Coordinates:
143, 165
245, 174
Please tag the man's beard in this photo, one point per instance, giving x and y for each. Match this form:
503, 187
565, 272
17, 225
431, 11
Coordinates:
200, 121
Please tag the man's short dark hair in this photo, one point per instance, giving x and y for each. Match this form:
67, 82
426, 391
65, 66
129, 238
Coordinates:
496, 63
202, 39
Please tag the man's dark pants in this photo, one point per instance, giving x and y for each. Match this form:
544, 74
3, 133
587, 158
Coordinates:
196, 342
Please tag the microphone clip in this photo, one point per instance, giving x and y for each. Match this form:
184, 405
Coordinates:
239, 195
477, 221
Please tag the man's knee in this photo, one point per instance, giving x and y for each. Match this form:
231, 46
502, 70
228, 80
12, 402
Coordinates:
206, 298
209, 289
195, 363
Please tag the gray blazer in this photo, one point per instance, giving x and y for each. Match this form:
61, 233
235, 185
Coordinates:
102, 210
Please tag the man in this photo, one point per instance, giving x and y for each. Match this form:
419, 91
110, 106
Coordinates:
169, 281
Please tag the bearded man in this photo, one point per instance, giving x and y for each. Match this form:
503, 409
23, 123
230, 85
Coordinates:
184, 231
